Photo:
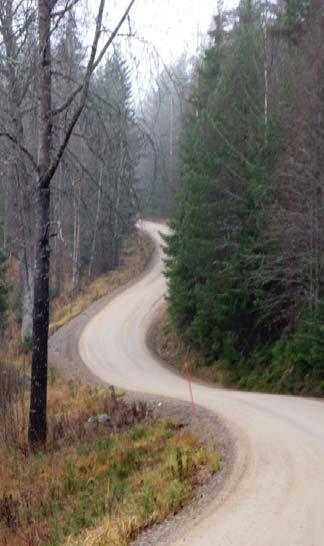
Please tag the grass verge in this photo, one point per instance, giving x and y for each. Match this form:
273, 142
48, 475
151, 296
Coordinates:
109, 469
97, 483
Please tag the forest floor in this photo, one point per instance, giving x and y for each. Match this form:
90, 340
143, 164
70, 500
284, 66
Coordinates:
172, 350
110, 469
112, 466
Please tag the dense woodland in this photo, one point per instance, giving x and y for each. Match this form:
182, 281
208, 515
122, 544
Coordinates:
69, 148
227, 142
93, 194
246, 261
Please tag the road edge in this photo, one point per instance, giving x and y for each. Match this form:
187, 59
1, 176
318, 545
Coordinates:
64, 354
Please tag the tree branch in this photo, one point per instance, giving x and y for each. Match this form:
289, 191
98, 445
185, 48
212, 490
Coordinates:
71, 98
84, 88
22, 148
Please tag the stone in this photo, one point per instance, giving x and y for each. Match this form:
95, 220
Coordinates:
103, 419
92, 423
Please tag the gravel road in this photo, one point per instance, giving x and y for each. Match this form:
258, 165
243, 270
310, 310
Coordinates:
274, 495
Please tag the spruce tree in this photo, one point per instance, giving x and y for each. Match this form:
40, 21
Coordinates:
217, 248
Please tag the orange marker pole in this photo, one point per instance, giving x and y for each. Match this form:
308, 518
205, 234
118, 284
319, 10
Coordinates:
187, 370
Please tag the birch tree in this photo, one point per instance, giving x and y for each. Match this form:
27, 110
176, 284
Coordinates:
45, 165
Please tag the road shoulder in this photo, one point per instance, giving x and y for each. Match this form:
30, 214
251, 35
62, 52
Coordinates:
64, 354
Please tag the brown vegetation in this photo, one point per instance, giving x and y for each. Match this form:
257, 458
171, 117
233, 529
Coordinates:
113, 477
96, 482
135, 254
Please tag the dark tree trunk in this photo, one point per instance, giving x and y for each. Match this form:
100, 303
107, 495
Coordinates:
37, 417
38, 398
58, 239
47, 167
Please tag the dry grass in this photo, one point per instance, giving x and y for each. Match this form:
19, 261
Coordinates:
13, 409
134, 257
167, 469
98, 485
94, 484
29, 482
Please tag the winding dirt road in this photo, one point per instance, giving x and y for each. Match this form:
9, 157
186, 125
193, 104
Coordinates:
275, 494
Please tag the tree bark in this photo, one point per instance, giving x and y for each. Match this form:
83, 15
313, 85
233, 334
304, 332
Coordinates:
95, 231
116, 233
46, 168
59, 237
76, 233
38, 398
26, 298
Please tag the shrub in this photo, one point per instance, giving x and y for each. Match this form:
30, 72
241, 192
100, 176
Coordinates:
12, 405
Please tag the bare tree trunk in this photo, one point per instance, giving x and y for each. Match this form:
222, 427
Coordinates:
25, 252
116, 209
76, 233
26, 245
38, 399
58, 239
26, 275
95, 231
46, 170
5, 218
265, 68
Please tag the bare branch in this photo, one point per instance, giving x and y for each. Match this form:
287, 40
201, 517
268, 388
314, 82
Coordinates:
65, 10
71, 98
60, 14
22, 148
92, 65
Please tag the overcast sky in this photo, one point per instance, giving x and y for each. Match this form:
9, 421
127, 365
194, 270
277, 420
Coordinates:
173, 25
170, 27
165, 29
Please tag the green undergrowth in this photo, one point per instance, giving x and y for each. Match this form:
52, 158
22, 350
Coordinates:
94, 484
104, 489
291, 365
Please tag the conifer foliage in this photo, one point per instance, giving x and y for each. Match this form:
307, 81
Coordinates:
246, 252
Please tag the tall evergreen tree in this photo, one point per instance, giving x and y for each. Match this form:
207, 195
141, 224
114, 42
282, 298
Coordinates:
225, 169
245, 261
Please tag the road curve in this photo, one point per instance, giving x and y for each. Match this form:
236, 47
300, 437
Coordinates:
275, 496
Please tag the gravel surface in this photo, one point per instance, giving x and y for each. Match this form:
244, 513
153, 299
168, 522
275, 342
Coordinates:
273, 493
65, 356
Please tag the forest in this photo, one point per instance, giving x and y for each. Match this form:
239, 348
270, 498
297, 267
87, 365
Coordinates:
225, 143
219, 148
245, 261
93, 203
